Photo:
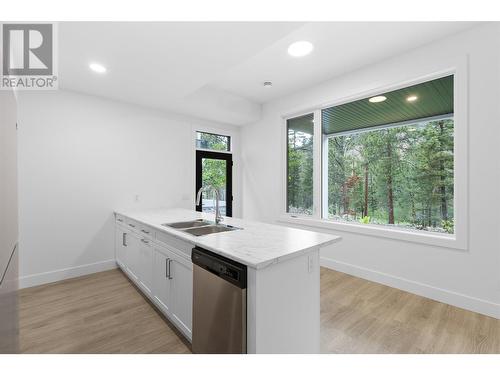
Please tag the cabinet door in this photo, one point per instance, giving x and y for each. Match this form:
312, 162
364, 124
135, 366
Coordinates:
121, 238
133, 256
161, 282
146, 266
181, 273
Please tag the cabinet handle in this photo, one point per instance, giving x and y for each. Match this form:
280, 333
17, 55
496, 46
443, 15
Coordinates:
166, 268
170, 269
124, 239
132, 225
120, 220
145, 241
145, 231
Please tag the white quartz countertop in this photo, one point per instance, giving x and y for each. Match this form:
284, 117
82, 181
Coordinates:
257, 245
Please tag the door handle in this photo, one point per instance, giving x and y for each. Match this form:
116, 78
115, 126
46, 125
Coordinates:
124, 239
170, 269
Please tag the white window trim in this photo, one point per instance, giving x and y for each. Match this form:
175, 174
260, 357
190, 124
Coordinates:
316, 164
459, 240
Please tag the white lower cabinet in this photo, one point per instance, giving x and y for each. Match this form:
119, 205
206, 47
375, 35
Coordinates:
146, 266
181, 291
173, 287
133, 256
163, 273
161, 282
121, 234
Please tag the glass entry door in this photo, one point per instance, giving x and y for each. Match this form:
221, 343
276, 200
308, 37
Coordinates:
215, 169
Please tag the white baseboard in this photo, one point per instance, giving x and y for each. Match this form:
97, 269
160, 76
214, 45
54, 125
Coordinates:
442, 295
65, 273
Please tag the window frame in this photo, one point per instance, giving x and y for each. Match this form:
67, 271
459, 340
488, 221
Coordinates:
234, 134
314, 165
458, 240
230, 143
228, 158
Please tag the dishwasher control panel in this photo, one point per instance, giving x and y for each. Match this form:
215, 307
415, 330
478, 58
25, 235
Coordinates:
229, 270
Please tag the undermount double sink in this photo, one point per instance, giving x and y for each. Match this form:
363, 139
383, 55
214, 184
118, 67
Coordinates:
200, 227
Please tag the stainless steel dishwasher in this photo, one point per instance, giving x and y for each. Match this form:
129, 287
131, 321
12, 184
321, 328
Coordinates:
219, 304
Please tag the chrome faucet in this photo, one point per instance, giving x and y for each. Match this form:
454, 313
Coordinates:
218, 216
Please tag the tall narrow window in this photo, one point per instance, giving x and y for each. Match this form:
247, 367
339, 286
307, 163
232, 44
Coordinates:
300, 164
215, 169
390, 158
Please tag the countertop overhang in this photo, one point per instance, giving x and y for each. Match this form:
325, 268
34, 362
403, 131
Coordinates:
257, 245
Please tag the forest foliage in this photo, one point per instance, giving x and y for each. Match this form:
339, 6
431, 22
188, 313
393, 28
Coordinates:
397, 176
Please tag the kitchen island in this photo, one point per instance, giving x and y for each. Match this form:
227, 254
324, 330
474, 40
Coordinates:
283, 273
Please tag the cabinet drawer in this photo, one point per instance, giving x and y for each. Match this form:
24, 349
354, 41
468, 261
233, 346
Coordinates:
146, 231
120, 219
181, 246
141, 229
174, 254
132, 224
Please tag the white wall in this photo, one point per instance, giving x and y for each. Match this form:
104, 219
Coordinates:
8, 178
81, 157
471, 278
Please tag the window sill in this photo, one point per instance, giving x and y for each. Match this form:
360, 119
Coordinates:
427, 238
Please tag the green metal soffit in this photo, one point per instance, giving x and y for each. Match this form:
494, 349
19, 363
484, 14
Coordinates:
434, 98
304, 124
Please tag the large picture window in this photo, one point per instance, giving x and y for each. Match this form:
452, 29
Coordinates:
386, 160
399, 176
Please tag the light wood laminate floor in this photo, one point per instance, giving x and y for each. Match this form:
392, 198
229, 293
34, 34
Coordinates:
359, 316
105, 313
98, 313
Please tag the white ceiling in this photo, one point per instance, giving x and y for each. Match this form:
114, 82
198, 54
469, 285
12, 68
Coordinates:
216, 70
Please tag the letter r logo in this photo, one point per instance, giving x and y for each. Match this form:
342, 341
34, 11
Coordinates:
27, 49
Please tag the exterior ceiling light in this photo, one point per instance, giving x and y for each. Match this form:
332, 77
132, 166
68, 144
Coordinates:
377, 99
411, 98
301, 48
98, 68
268, 84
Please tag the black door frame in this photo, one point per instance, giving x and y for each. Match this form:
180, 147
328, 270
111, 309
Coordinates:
200, 154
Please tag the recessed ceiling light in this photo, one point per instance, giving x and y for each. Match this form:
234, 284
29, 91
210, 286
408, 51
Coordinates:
98, 68
377, 99
411, 98
301, 48
268, 84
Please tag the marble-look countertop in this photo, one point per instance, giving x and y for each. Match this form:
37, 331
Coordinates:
257, 245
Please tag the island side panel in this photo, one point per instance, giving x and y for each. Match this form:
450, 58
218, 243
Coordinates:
283, 306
